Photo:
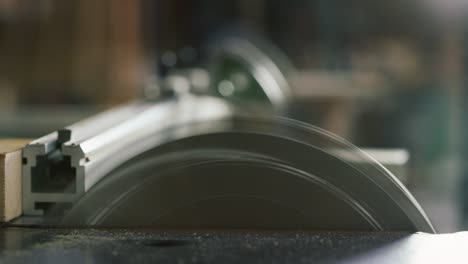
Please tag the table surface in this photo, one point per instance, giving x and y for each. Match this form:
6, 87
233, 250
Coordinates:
39, 245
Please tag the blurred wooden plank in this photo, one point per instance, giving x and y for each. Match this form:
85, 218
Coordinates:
125, 52
10, 178
326, 84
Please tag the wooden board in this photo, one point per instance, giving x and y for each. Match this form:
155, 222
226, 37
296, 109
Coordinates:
10, 178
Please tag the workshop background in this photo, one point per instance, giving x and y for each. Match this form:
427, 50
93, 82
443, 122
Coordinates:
382, 74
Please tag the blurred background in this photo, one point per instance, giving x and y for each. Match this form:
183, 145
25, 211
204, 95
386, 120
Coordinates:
382, 74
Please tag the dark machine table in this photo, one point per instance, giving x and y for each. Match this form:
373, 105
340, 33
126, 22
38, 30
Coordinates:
38, 245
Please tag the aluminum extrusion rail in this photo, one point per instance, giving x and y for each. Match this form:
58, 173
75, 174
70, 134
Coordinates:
60, 167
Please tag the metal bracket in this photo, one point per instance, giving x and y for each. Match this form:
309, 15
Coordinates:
60, 167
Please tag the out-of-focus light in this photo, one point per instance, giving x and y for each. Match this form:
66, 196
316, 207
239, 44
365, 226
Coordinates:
169, 59
226, 88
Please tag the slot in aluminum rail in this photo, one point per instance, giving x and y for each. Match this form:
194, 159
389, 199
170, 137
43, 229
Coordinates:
60, 167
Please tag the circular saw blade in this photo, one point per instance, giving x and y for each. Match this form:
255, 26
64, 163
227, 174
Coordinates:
251, 172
